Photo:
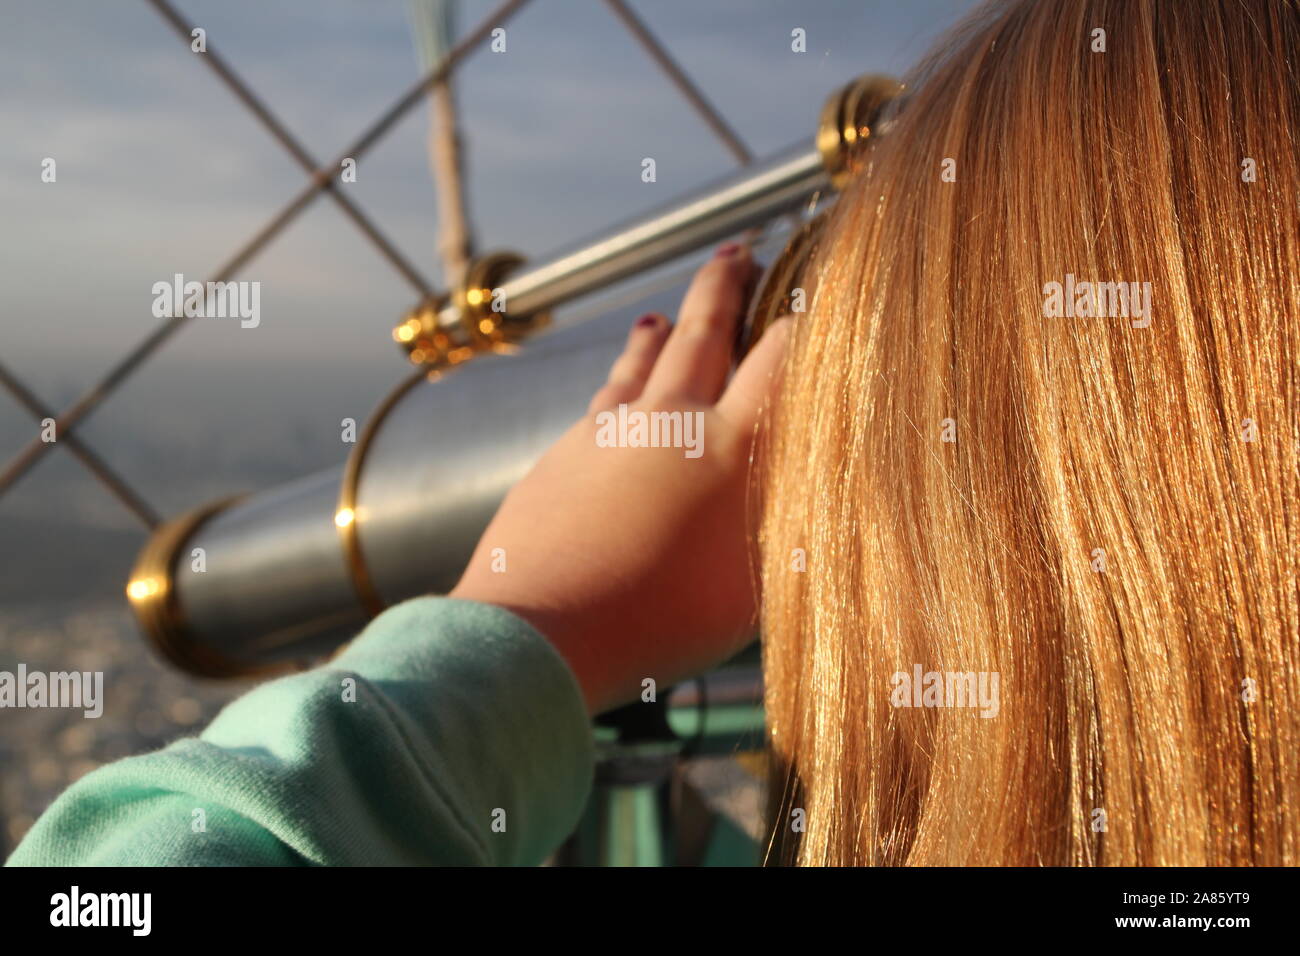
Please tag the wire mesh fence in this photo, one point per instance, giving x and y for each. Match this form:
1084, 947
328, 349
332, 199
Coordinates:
61, 427
154, 703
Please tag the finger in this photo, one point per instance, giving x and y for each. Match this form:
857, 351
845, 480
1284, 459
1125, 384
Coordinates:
758, 376
628, 374
697, 357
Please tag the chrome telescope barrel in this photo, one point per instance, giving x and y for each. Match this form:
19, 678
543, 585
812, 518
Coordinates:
750, 199
277, 585
281, 577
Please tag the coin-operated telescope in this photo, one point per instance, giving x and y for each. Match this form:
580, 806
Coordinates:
293, 571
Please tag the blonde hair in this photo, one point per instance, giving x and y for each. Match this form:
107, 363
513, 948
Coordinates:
1115, 531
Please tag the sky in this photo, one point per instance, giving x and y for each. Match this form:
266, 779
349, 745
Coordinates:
160, 171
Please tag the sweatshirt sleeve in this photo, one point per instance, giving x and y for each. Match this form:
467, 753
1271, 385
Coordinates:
449, 732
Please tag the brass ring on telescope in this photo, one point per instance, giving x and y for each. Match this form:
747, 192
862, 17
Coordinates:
152, 593
481, 326
487, 325
849, 119
347, 515
426, 341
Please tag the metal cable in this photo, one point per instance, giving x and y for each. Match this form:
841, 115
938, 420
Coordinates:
688, 89
295, 149
97, 466
321, 180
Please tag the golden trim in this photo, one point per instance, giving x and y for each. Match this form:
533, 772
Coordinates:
347, 517
849, 119
479, 328
486, 327
153, 596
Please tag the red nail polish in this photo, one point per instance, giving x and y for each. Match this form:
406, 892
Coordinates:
647, 321
728, 250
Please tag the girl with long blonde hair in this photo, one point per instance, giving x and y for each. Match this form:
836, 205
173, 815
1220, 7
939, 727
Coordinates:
1034, 445
1113, 530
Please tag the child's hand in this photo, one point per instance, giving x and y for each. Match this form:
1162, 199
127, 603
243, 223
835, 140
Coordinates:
636, 562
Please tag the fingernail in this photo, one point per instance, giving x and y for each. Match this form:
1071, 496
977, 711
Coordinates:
647, 321
728, 250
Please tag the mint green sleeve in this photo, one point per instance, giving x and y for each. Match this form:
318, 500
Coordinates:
449, 732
